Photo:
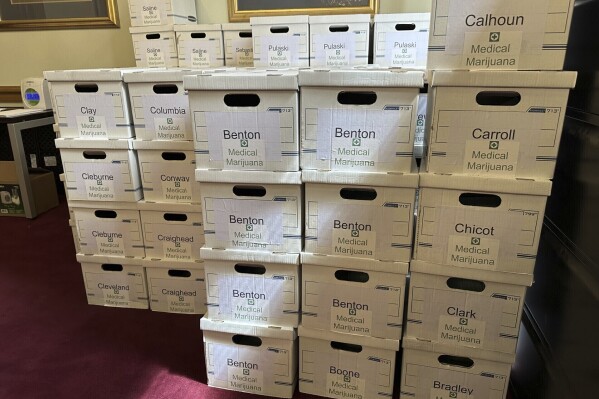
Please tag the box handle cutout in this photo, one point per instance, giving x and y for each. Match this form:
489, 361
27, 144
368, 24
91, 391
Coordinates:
249, 191
86, 88
242, 100
356, 97
479, 199
246, 340
173, 156
191, 18
279, 29
153, 36
244, 268
342, 346
198, 35
498, 98
165, 88
103, 214
179, 273
112, 267
358, 194
456, 361
175, 217
91, 154
245, 34
465, 284
405, 26
338, 28
352, 275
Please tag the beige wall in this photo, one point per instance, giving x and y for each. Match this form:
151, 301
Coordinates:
28, 53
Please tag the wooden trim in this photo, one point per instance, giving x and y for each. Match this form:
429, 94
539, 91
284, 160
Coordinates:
10, 94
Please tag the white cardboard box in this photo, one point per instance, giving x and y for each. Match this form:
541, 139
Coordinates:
162, 12
480, 223
401, 40
359, 120
155, 46
505, 34
497, 123
252, 359
172, 232
159, 104
259, 288
167, 170
256, 211
90, 103
176, 287
114, 281
334, 366
73, 226
109, 229
281, 42
102, 170
339, 40
245, 120
464, 307
200, 46
239, 47
353, 296
367, 215
441, 371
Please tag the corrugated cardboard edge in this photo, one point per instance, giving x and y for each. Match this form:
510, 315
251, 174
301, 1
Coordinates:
179, 265
474, 353
92, 75
104, 205
418, 266
248, 177
339, 19
236, 27
346, 262
163, 145
514, 79
249, 256
486, 184
362, 77
118, 260
168, 75
287, 333
85, 144
151, 29
403, 17
197, 28
169, 207
372, 342
402, 180
244, 81
279, 20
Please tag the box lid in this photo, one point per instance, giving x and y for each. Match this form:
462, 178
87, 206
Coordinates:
372, 342
151, 29
166, 264
474, 353
339, 19
84, 75
118, 260
107, 205
249, 256
241, 26
163, 145
346, 262
279, 20
486, 184
407, 180
248, 177
515, 79
197, 27
287, 333
157, 76
361, 77
93, 144
418, 266
178, 207
242, 81
406, 17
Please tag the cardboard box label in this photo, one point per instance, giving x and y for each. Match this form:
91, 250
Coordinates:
248, 223
100, 179
181, 304
107, 237
280, 51
155, 54
406, 49
244, 139
175, 179
421, 120
177, 241
10, 200
167, 115
239, 366
334, 49
491, 157
151, 12
115, 291
448, 384
478, 249
200, 52
461, 330
243, 52
344, 386
349, 229
492, 34
359, 139
93, 114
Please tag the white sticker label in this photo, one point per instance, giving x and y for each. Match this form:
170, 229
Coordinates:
421, 120
246, 380
181, 304
175, 181
244, 140
406, 49
100, 181
280, 51
360, 140
93, 114
243, 52
344, 386
155, 55
200, 52
494, 158
239, 366
178, 246
334, 49
151, 12
167, 115
116, 295
351, 320
475, 250
248, 223
461, 330
484, 50
449, 393
110, 243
